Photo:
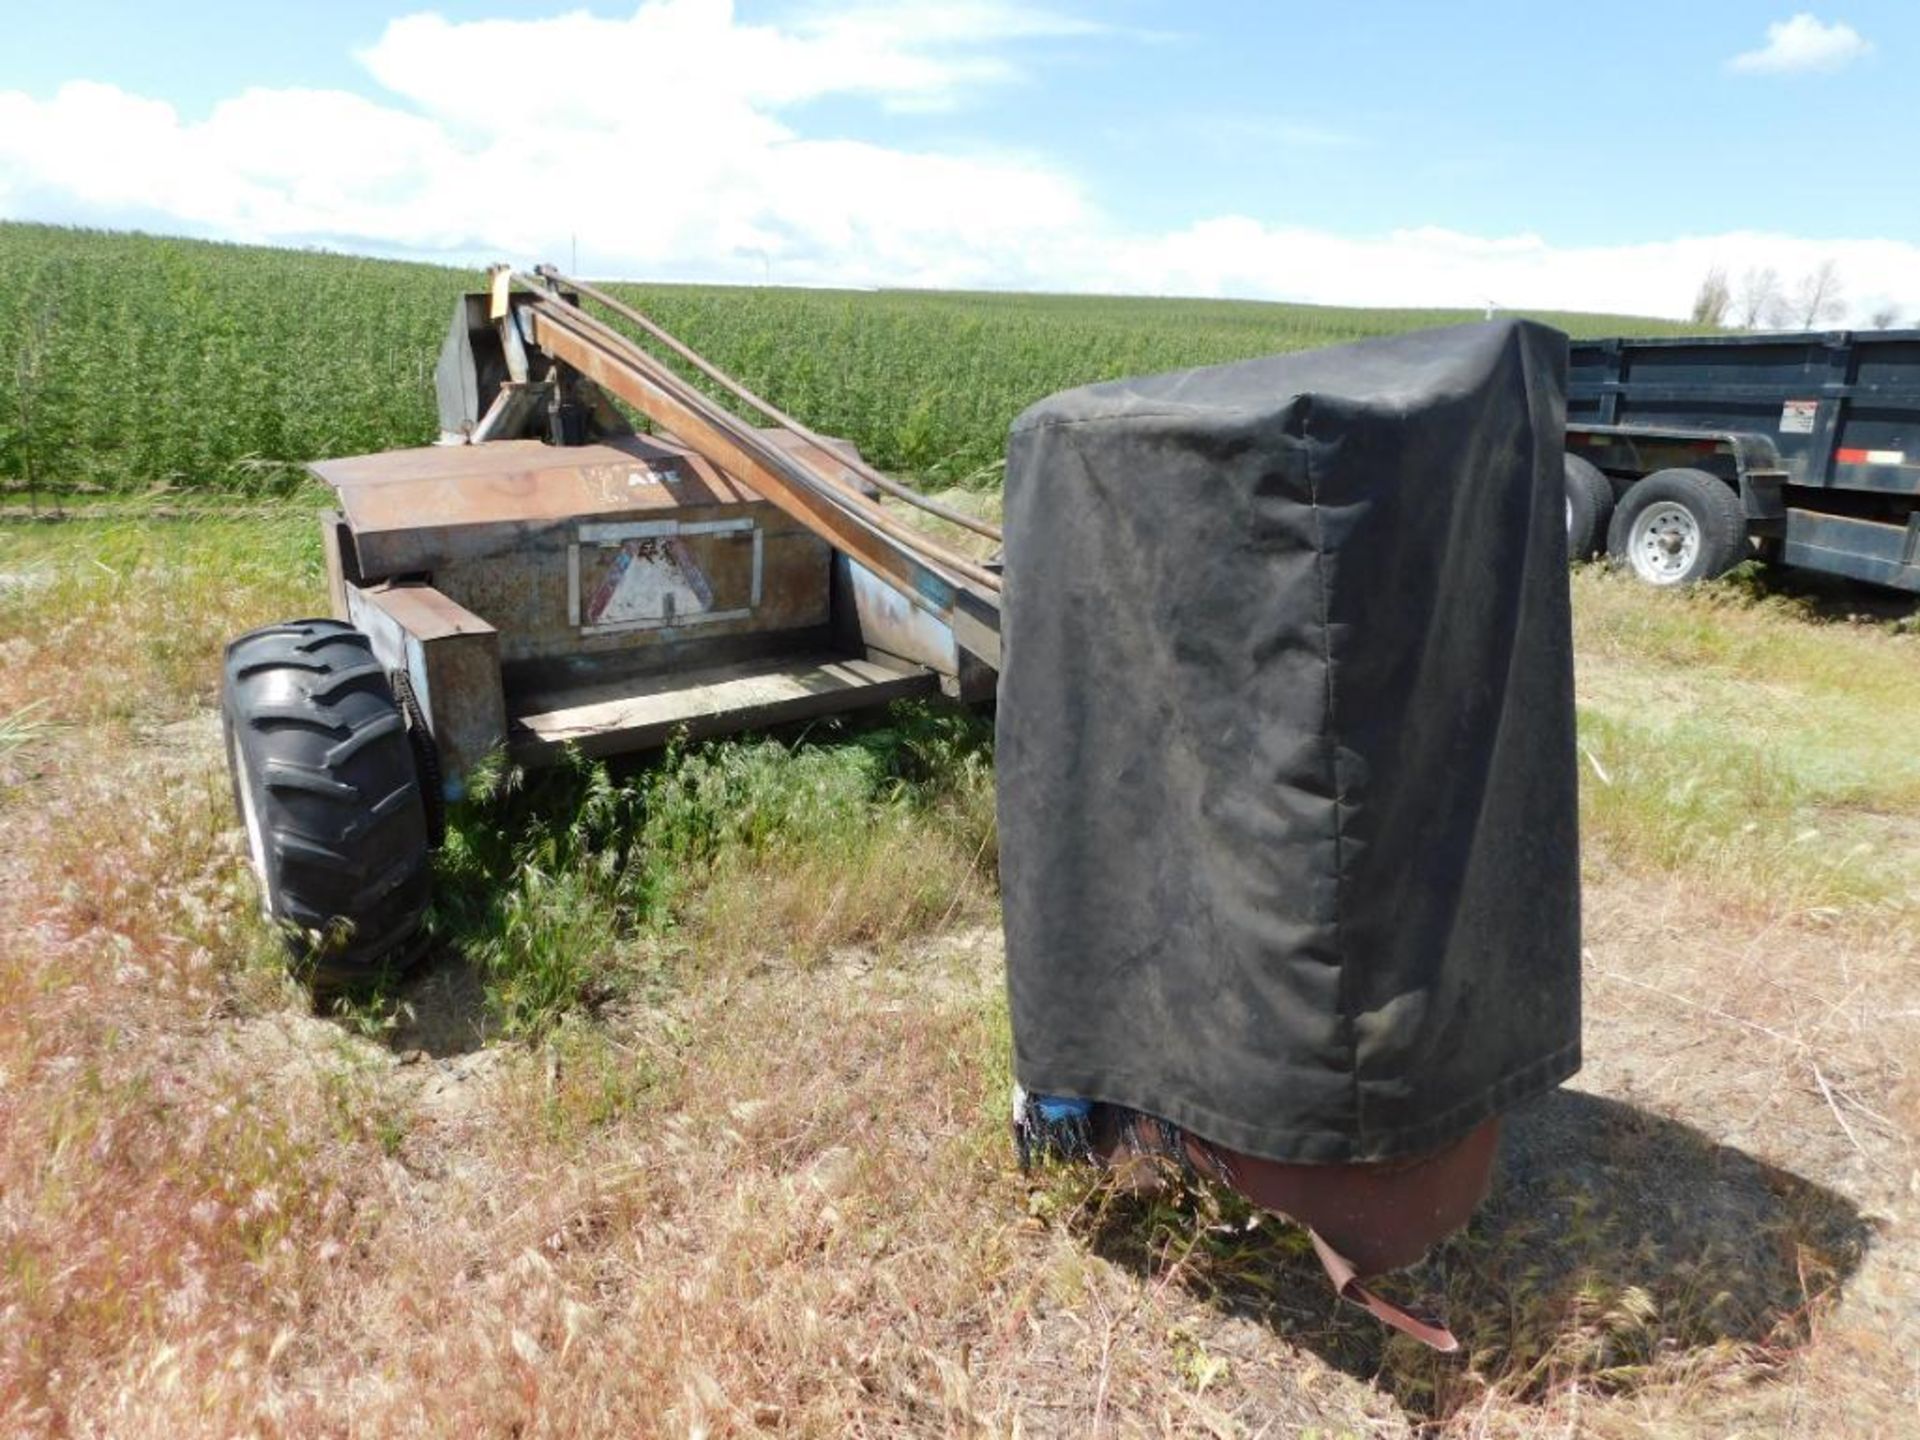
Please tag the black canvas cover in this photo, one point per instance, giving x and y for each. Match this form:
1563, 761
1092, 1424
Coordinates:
1286, 744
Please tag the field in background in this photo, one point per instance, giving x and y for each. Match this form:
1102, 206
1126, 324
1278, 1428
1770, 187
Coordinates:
132, 362
695, 1121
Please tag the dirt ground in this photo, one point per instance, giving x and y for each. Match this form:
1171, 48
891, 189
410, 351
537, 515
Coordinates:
781, 1200
1736, 1160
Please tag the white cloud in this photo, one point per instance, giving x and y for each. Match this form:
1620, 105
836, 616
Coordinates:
1415, 267
657, 139
580, 67
672, 143
1803, 43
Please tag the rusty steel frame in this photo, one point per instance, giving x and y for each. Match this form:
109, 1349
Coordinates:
715, 423
885, 483
430, 540
550, 300
931, 574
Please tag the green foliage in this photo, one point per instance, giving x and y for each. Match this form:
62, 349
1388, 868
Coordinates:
1767, 749
561, 884
135, 360
927, 382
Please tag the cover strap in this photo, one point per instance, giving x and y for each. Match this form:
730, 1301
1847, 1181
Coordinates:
1347, 1286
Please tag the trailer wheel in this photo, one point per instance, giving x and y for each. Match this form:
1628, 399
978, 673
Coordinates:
1589, 508
1678, 527
324, 780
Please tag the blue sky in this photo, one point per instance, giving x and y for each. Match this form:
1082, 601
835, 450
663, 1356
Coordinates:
1572, 155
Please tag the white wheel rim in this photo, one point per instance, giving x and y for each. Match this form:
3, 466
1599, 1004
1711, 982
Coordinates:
1569, 517
256, 838
1663, 543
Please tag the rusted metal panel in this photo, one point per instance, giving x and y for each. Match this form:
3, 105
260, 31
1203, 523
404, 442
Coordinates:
452, 656
658, 574
411, 510
557, 594
525, 471
830, 459
641, 713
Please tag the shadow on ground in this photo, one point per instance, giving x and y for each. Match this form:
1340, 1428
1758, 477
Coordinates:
1615, 1246
1834, 597
443, 1007
438, 1006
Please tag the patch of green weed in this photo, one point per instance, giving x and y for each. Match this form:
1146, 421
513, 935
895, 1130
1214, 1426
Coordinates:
564, 885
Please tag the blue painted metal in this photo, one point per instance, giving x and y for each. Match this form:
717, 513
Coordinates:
1860, 549
1790, 419
884, 620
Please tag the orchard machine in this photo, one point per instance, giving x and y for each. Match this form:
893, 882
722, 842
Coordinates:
547, 578
1286, 704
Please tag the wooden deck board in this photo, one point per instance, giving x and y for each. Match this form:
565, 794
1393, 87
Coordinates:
643, 713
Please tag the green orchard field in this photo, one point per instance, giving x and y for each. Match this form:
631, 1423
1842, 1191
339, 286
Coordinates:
693, 1118
136, 362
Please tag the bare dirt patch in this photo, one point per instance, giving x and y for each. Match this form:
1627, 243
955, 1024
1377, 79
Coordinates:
784, 1202
770, 1190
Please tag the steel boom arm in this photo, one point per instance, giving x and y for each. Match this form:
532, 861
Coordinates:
958, 590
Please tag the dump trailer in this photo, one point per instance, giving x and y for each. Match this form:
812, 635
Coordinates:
1687, 456
549, 579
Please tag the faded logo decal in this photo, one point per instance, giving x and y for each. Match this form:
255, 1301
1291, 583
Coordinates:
655, 578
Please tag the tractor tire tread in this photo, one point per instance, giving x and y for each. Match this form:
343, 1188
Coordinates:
335, 794
285, 775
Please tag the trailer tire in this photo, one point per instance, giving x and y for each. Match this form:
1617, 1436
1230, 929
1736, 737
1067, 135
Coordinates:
325, 783
1678, 527
1589, 508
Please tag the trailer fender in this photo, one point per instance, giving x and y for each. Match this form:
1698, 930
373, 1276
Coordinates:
1746, 460
451, 658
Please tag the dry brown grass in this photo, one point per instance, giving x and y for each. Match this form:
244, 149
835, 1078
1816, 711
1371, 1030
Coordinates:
114, 623
771, 1192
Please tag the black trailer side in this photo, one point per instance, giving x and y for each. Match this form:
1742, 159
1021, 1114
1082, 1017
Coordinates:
1685, 456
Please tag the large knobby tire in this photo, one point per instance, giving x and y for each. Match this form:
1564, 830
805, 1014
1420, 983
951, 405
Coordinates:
1589, 508
1679, 527
324, 780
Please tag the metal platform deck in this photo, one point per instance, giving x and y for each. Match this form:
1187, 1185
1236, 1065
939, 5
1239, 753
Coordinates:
608, 719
